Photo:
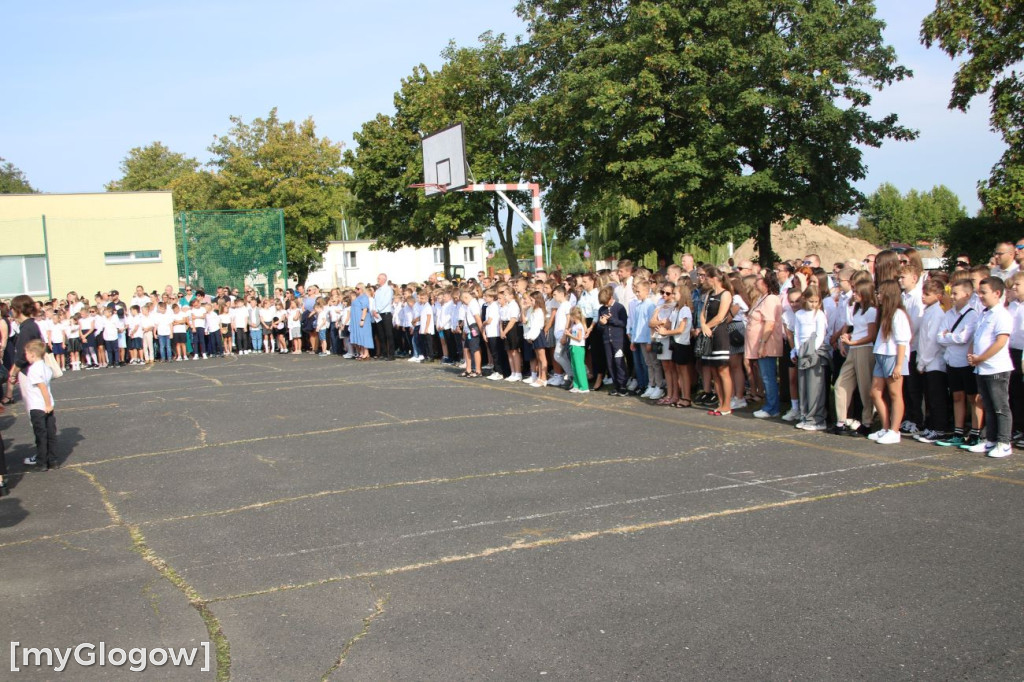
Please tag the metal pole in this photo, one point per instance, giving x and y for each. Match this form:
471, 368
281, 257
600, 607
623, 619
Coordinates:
284, 255
184, 247
538, 228
46, 259
344, 265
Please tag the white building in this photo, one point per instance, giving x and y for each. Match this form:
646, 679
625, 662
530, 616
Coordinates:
347, 263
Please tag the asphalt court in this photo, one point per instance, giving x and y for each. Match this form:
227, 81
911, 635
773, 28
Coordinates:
324, 519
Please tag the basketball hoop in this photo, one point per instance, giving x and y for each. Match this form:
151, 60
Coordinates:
432, 185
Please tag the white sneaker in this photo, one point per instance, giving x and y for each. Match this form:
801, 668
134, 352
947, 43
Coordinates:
810, 426
926, 436
658, 394
556, 380
530, 379
514, 377
999, 451
982, 446
539, 383
737, 404
631, 385
910, 428
495, 376
761, 414
608, 381
800, 424
889, 438
877, 434
488, 367
645, 394
574, 390
791, 416
461, 364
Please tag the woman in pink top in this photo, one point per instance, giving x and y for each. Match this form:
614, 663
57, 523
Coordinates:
764, 339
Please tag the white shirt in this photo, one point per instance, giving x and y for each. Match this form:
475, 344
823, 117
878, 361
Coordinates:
810, 322
860, 321
38, 373
509, 311
578, 330
163, 323
929, 352
915, 311
956, 341
994, 322
900, 336
588, 304
57, 332
1007, 273
492, 321
561, 318
469, 313
110, 329
1017, 337
683, 313
426, 320
534, 324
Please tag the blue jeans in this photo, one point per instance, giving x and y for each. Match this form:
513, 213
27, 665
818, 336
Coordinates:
257, 339
165, 347
770, 376
640, 369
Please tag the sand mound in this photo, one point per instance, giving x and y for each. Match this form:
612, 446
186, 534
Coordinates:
808, 238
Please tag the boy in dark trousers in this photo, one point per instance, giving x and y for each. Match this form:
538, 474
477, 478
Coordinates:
35, 388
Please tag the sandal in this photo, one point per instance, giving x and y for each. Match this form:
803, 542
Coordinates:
663, 401
473, 375
719, 413
465, 374
681, 403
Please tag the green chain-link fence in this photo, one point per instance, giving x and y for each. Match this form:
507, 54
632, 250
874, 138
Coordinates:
232, 248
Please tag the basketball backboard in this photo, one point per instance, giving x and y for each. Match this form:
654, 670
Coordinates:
444, 160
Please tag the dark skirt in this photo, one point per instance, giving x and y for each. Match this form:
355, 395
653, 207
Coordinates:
718, 355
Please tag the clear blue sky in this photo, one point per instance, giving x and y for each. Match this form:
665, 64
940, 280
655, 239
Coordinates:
86, 82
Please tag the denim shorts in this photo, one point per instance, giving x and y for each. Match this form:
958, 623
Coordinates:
885, 365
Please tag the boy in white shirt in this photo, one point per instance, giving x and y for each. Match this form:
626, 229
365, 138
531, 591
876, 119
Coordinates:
990, 358
956, 334
35, 387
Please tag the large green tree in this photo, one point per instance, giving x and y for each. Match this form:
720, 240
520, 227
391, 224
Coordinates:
12, 179
271, 163
472, 88
908, 218
990, 34
716, 117
156, 167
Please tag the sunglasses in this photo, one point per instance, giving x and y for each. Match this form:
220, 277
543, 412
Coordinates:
961, 264
1019, 247
667, 292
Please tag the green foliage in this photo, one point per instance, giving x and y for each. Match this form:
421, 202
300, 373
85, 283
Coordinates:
990, 34
716, 118
12, 179
155, 167
231, 248
895, 217
271, 163
475, 87
977, 238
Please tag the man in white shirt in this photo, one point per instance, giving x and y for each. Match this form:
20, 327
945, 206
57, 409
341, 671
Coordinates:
384, 297
1006, 266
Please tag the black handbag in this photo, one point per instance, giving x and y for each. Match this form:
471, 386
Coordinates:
736, 333
702, 346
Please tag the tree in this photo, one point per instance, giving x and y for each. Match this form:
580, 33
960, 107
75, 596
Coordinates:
915, 216
389, 158
156, 167
991, 34
12, 179
280, 164
717, 118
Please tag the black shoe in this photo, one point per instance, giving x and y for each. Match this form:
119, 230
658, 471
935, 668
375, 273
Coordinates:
859, 432
699, 398
619, 394
838, 430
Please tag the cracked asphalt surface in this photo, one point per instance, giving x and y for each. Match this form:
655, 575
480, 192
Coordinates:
315, 518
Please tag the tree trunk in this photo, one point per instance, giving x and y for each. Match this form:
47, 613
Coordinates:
765, 255
508, 247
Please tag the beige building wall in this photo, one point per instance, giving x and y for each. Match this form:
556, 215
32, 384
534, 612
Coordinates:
85, 235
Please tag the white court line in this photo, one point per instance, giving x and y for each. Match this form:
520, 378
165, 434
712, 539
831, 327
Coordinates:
543, 515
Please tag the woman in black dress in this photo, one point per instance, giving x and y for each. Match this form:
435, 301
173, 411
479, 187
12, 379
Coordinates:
714, 319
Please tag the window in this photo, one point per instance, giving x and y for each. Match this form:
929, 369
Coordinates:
23, 275
128, 257
350, 259
469, 254
438, 256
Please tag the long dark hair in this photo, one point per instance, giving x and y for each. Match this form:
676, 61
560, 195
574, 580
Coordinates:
890, 302
887, 266
866, 294
771, 281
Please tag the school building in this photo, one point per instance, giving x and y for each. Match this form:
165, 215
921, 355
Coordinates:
347, 263
51, 244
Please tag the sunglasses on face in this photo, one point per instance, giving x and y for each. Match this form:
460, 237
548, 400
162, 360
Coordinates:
667, 292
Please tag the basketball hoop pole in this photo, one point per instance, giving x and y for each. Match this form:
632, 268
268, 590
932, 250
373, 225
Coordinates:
538, 227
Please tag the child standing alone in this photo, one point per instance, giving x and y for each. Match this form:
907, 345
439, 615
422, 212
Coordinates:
35, 387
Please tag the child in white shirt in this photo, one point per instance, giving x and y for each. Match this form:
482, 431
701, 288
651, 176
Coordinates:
35, 387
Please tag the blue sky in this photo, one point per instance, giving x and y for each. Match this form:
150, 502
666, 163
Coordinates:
86, 82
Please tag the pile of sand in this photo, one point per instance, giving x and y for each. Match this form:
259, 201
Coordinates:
808, 238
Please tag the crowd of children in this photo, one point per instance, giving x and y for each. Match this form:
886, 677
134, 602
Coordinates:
878, 349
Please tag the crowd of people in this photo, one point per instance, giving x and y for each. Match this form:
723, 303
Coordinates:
879, 348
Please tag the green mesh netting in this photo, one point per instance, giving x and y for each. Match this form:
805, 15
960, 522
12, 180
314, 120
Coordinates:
232, 248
